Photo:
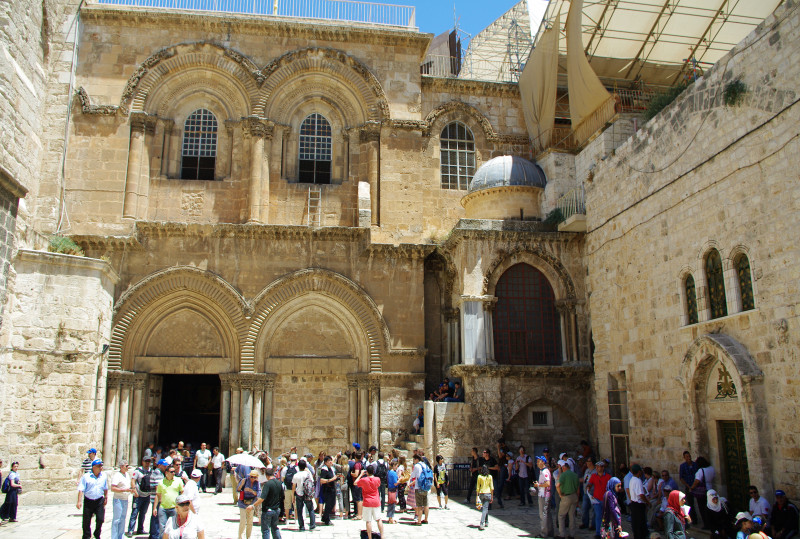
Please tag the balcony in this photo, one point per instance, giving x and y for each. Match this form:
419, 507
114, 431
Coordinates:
573, 210
370, 13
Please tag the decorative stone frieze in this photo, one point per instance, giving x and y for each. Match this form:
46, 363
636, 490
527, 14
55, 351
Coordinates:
88, 108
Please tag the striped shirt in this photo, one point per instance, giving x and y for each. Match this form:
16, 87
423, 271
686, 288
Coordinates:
86, 465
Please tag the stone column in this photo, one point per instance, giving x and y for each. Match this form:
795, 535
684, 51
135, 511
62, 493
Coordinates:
488, 329
168, 126
129, 209
258, 131
363, 412
235, 418
371, 136
374, 401
136, 421
112, 413
564, 331
352, 415
574, 322
246, 413
123, 439
258, 400
266, 433
451, 317
225, 412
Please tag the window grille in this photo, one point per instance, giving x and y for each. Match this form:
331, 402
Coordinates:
691, 301
315, 150
716, 285
745, 282
457, 156
539, 418
199, 152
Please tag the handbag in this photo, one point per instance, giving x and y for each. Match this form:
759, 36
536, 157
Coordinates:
392, 497
700, 490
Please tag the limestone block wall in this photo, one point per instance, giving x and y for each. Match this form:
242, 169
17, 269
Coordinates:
401, 394
559, 169
703, 175
57, 320
9, 204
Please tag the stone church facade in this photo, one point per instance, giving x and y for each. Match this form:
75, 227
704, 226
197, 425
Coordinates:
285, 246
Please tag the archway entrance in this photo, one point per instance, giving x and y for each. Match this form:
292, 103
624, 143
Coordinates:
190, 409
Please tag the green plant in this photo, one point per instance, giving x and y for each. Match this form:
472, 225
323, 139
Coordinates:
734, 93
554, 217
662, 100
64, 245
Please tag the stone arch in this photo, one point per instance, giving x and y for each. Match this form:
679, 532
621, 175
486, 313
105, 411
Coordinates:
144, 306
202, 57
705, 352
547, 263
337, 66
564, 432
356, 310
458, 110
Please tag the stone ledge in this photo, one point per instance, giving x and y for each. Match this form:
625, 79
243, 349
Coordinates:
569, 371
70, 261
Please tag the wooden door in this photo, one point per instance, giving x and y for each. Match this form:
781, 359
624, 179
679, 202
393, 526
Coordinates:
734, 462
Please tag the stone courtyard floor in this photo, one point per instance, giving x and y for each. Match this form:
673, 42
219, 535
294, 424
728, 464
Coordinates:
221, 519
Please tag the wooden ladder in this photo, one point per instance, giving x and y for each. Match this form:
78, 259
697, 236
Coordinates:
314, 209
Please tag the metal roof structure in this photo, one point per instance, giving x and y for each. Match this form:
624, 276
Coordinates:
660, 42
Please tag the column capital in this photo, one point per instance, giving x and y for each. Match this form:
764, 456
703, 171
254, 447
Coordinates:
258, 127
370, 132
139, 380
451, 314
374, 381
124, 379
229, 381
255, 380
566, 306
141, 122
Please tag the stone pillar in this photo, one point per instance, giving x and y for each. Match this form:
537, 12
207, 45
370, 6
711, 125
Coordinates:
136, 419
235, 401
352, 415
564, 331
477, 340
374, 402
246, 414
129, 209
363, 412
371, 136
488, 329
123, 439
258, 399
258, 131
112, 413
574, 322
168, 126
451, 317
266, 433
225, 412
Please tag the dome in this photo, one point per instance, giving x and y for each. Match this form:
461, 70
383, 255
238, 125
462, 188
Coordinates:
507, 170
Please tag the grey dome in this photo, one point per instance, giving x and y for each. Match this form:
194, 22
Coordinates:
507, 170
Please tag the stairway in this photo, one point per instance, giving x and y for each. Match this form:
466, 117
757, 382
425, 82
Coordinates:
412, 442
314, 208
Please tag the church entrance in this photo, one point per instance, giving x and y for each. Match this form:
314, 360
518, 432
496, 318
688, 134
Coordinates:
190, 409
734, 461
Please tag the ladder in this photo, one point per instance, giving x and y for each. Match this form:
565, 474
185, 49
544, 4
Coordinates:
314, 209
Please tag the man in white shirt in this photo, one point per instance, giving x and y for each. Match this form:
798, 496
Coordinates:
759, 506
121, 486
544, 486
218, 462
638, 504
303, 498
192, 492
201, 459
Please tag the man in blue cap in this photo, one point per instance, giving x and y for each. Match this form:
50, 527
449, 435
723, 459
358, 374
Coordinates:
783, 521
86, 465
93, 496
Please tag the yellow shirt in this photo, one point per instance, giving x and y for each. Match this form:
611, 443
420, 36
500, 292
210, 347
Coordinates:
485, 484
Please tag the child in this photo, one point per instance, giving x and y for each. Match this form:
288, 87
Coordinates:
442, 481
391, 484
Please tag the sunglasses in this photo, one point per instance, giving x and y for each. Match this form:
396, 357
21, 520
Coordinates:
184, 504
170, 471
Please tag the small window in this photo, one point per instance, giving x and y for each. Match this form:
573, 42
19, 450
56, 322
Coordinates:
745, 282
199, 153
716, 285
457, 156
691, 300
539, 419
315, 150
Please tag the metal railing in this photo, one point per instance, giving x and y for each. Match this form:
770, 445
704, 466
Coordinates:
332, 10
573, 202
441, 66
633, 100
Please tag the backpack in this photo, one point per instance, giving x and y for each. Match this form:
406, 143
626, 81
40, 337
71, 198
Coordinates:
228, 467
6, 485
308, 486
144, 481
381, 472
425, 479
290, 471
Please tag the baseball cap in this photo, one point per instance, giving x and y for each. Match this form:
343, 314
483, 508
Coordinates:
563, 456
743, 515
123, 462
97, 462
357, 445
147, 457
182, 498
779, 492
545, 450
197, 473
92, 450
162, 462
293, 456
562, 462
600, 463
542, 459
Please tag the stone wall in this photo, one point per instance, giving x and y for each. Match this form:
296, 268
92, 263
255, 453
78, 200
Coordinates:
58, 320
704, 175
9, 204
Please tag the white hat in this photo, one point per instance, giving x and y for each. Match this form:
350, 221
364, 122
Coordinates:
562, 462
562, 455
293, 456
183, 498
197, 473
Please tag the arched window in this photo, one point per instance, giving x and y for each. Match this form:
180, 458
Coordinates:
716, 285
199, 153
315, 150
742, 265
526, 324
457, 156
691, 300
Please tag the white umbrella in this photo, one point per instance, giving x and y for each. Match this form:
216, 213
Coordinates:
246, 459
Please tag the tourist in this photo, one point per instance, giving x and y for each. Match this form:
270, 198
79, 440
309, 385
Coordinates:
141, 496
543, 484
403, 477
759, 506
287, 476
192, 489
524, 465
485, 493
167, 492
155, 479
391, 483
719, 517
201, 459
270, 503
184, 523
555, 473
356, 465
180, 470
442, 482
149, 451
567, 486
218, 463
598, 486
486, 459
327, 479
703, 482
86, 465
303, 492
421, 480
237, 473
743, 525
674, 517
8, 511
121, 486
611, 515
587, 506
650, 492
320, 499
783, 520
342, 491
502, 475
93, 496
638, 503
458, 394
418, 421
249, 489
370, 489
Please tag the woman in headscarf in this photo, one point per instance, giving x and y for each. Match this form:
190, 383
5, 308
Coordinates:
612, 519
674, 518
719, 517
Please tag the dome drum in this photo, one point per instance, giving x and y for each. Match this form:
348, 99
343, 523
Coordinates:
505, 187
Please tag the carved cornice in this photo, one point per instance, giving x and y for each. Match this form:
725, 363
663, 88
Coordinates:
581, 373
125, 379
150, 62
469, 87
103, 244
88, 108
404, 250
246, 63
143, 122
407, 125
227, 381
254, 381
152, 229
491, 191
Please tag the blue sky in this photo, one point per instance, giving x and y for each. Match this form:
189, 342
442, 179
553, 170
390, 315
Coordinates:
436, 16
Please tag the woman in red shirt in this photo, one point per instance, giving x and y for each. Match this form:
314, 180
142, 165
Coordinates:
372, 501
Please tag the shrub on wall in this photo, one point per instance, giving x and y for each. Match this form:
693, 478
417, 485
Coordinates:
662, 100
64, 245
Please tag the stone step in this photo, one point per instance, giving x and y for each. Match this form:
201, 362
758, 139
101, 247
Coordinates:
408, 445
418, 438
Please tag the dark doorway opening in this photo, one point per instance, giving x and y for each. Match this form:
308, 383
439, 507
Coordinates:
190, 409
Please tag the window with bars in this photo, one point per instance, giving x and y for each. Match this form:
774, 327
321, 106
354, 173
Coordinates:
745, 282
526, 324
691, 300
315, 150
716, 285
457, 156
199, 152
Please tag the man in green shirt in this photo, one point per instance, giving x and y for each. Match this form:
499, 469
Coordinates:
166, 494
271, 498
567, 486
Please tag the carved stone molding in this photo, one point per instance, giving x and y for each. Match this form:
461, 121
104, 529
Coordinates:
580, 375
227, 381
254, 381
88, 108
352, 381
551, 261
370, 132
150, 62
143, 122
258, 127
